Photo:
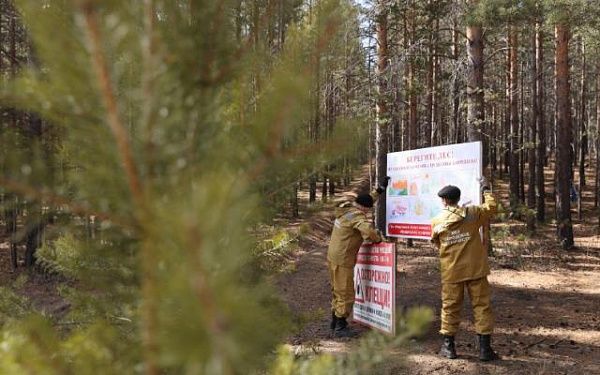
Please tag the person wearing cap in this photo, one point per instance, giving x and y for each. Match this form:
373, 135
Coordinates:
350, 228
464, 265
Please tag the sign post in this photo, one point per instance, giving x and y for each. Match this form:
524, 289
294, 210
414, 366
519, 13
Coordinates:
417, 176
375, 287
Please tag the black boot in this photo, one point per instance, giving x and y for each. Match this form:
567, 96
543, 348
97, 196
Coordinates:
486, 353
342, 329
334, 320
448, 350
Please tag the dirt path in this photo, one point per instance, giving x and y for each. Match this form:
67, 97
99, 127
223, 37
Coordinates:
546, 301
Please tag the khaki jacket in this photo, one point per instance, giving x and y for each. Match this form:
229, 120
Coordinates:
350, 229
455, 231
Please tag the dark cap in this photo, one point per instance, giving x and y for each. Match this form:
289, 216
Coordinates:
450, 192
364, 200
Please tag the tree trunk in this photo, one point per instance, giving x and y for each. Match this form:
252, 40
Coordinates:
411, 115
433, 115
531, 149
514, 120
295, 206
583, 138
522, 132
541, 125
312, 188
455, 89
11, 204
412, 95
316, 120
506, 122
597, 184
564, 128
475, 99
428, 128
381, 128
475, 103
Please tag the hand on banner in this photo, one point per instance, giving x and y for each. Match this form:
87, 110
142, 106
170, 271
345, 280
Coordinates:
383, 184
485, 186
381, 236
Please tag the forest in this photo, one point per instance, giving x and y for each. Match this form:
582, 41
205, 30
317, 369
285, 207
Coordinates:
169, 170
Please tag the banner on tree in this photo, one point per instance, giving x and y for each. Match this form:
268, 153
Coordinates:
417, 176
375, 287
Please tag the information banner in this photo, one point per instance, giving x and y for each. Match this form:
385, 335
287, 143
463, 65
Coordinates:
375, 287
417, 176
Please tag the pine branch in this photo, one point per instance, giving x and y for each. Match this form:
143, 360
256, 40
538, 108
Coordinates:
108, 96
148, 280
149, 68
215, 320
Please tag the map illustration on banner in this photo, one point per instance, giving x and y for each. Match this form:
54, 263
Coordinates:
417, 176
375, 287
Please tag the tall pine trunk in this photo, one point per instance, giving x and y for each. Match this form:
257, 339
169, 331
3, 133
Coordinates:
597, 184
531, 149
514, 119
564, 134
475, 101
381, 128
455, 89
583, 138
541, 125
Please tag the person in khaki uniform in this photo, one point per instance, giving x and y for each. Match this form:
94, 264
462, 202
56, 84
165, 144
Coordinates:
350, 228
464, 265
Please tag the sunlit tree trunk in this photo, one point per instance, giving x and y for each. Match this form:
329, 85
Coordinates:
564, 134
475, 98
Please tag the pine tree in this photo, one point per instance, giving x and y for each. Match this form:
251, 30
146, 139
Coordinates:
175, 124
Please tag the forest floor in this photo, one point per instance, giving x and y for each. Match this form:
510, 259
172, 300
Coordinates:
546, 300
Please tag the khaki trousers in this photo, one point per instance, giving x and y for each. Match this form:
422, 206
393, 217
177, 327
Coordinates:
452, 301
342, 289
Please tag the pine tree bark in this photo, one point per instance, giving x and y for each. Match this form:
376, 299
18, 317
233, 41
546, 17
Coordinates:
412, 95
522, 134
433, 115
428, 128
514, 119
475, 98
583, 137
316, 120
597, 184
381, 127
455, 89
564, 133
475, 101
506, 122
531, 149
540, 125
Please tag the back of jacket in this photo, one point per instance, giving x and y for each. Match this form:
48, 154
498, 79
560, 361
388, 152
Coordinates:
350, 228
456, 233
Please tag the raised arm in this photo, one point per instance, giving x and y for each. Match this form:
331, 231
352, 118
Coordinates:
488, 208
366, 230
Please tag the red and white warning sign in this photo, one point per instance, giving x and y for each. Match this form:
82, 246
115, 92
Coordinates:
375, 287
